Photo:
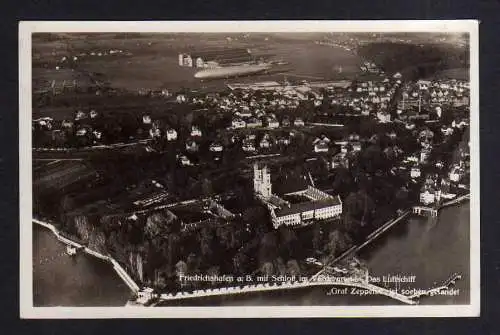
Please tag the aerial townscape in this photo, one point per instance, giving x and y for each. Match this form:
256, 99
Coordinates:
190, 160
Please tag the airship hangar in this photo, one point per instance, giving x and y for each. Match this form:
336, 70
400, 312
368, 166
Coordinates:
215, 58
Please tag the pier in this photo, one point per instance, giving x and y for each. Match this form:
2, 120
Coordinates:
389, 224
425, 211
456, 201
282, 286
445, 285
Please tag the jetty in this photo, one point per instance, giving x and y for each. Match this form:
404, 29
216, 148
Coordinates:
444, 286
265, 287
456, 200
376, 233
425, 211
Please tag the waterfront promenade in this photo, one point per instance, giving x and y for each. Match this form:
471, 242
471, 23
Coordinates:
145, 295
375, 234
116, 266
366, 289
389, 224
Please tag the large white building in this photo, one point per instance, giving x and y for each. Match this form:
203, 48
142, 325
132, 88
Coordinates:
319, 206
300, 213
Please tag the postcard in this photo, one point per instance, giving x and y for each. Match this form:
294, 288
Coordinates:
205, 169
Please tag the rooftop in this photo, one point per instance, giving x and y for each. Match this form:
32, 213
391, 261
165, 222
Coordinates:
308, 206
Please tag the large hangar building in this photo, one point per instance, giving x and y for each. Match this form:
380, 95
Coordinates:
215, 58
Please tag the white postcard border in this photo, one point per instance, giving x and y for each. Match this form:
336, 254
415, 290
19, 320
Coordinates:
27, 310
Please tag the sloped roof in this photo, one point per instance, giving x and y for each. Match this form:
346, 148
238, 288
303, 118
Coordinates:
308, 206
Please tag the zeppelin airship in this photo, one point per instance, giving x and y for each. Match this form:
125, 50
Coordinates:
232, 71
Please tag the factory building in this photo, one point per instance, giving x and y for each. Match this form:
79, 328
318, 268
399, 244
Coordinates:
318, 206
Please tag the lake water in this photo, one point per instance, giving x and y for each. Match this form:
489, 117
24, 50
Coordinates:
430, 249
82, 280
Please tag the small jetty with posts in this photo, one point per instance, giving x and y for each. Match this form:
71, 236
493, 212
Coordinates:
434, 211
437, 290
425, 211
70, 250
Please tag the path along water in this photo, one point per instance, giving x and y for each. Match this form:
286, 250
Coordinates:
431, 249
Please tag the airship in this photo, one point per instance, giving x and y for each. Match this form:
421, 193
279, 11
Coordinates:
232, 71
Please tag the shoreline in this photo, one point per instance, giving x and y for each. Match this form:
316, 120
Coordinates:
386, 226
133, 286
145, 297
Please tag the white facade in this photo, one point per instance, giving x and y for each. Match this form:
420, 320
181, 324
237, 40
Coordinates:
171, 135
295, 219
262, 181
356, 146
273, 123
238, 123
454, 175
298, 122
200, 62
248, 147
424, 155
146, 119
216, 147
253, 123
427, 198
415, 172
195, 131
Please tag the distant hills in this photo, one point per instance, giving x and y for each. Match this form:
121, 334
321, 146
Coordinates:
415, 61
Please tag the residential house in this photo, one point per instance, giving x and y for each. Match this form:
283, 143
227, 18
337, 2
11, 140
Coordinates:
216, 147
238, 123
273, 123
171, 134
254, 123
415, 172
298, 122
195, 131
146, 119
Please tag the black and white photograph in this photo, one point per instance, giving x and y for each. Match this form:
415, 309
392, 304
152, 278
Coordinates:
249, 169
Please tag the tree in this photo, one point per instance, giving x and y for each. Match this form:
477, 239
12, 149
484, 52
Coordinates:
358, 206
342, 181
97, 241
373, 158
257, 216
240, 262
293, 268
268, 249
288, 241
206, 187
213, 271
135, 234
193, 263
83, 227
181, 268
67, 204
267, 269
157, 224
280, 266
337, 243
317, 238
170, 250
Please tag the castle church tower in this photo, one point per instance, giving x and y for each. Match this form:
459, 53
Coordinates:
262, 181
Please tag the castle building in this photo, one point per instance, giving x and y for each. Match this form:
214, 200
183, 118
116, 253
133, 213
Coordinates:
318, 206
301, 213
